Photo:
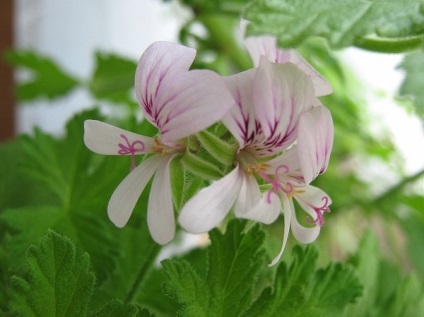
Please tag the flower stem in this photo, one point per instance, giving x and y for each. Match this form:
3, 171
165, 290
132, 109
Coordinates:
150, 258
386, 45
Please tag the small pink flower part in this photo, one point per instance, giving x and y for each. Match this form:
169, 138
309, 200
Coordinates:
177, 101
267, 46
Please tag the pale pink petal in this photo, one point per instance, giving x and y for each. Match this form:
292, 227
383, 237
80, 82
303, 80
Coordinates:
289, 159
126, 195
190, 103
249, 195
160, 210
315, 202
266, 210
288, 211
321, 85
266, 46
281, 93
210, 206
160, 61
103, 138
240, 120
315, 141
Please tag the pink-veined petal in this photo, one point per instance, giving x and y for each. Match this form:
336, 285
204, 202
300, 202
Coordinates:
315, 202
315, 141
126, 195
288, 210
209, 207
249, 195
160, 210
240, 120
190, 103
281, 92
103, 138
266, 210
160, 61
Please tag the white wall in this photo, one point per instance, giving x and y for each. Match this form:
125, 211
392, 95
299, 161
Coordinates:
70, 31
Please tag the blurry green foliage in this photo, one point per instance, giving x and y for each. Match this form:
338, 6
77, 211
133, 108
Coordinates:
55, 183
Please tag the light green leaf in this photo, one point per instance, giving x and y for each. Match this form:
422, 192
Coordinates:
302, 290
47, 79
414, 81
341, 23
184, 284
56, 283
200, 167
113, 78
234, 263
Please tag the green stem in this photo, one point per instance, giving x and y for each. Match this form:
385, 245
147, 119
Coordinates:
386, 45
220, 29
142, 273
393, 190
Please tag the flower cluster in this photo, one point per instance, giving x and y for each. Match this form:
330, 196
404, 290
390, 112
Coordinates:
281, 135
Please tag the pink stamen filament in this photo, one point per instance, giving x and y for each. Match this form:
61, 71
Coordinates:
130, 148
320, 212
277, 185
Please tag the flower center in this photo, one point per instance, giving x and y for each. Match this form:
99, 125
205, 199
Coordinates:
249, 163
130, 148
277, 184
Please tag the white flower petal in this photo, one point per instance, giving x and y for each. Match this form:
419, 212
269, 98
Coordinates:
315, 141
160, 211
288, 210
281, 92
103, 138
160, 61
249, 195
209, 207
190, 103
126, 195
266, 210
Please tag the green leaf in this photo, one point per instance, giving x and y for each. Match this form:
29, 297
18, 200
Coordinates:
56, 283
302, 290
341, 23
414, 80
118, 309
78, 188
47, 79
232, 269
113, 78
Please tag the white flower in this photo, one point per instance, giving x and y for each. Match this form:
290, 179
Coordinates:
179, 103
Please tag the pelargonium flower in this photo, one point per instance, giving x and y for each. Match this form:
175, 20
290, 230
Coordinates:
269, 100
179, 103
